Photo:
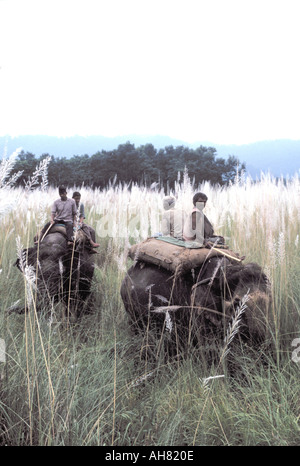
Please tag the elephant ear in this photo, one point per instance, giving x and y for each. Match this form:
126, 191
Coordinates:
233, 276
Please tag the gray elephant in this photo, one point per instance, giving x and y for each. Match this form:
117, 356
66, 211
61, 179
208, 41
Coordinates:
197, 306
63, 274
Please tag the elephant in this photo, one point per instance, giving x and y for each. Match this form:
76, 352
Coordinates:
198, 305
62, 273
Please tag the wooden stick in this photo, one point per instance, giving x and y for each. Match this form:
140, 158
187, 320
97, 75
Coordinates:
51, 225
227, 255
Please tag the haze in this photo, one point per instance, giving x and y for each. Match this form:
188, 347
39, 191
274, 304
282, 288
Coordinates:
223, 71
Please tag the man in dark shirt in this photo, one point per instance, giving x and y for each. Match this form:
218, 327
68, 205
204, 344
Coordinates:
87, 230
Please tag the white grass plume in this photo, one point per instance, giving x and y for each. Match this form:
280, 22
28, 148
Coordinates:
41, 171
27, 270
169, 323
215, 272
234, 325
6, 167
7, 181
8, 202
141, 379
205, 381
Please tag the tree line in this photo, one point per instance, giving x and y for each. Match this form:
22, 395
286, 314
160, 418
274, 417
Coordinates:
144, 164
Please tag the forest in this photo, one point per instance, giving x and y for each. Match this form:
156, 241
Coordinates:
144, 164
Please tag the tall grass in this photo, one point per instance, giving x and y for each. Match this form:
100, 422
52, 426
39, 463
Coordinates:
89, 383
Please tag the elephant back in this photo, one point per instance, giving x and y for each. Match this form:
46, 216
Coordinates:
176, 256
58, 228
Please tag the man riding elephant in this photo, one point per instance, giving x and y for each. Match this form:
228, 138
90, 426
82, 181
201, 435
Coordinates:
197, 227
61, 274
64, 212
194, 286
87, 230
70, 213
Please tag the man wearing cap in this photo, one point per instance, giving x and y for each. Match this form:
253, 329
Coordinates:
172, 219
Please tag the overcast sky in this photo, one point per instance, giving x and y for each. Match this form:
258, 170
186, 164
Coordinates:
220, 71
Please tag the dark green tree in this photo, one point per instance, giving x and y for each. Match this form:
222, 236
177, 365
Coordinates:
130, 164
27, 163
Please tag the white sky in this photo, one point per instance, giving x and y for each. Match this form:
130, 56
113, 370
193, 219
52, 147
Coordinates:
222, 71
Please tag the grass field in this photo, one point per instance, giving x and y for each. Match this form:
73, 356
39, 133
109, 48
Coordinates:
88, 383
